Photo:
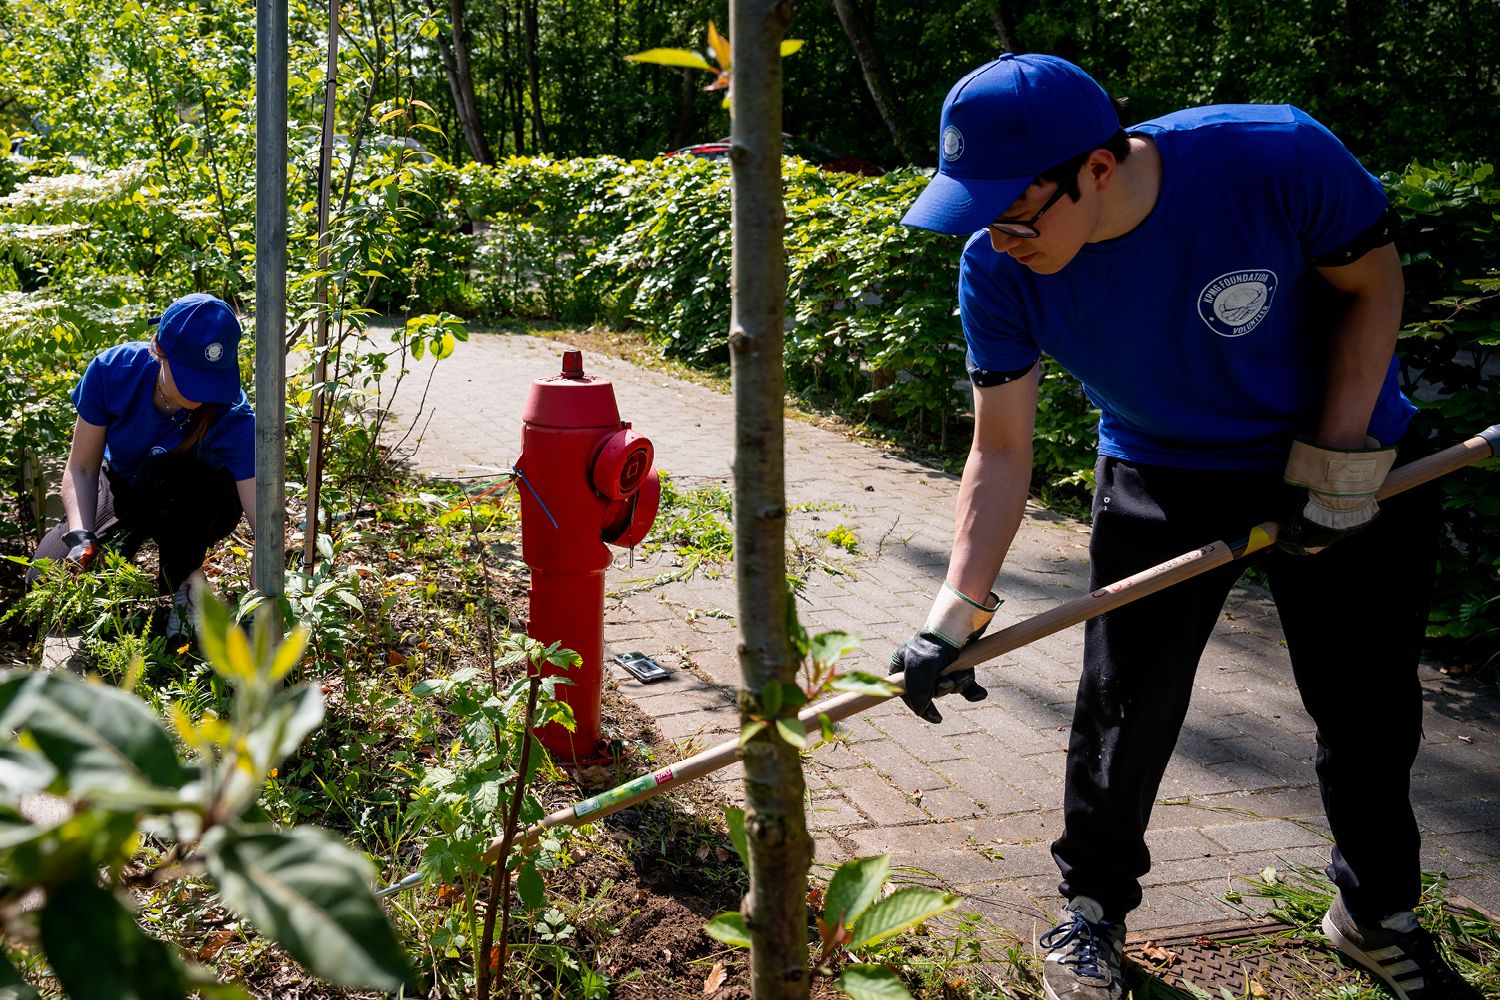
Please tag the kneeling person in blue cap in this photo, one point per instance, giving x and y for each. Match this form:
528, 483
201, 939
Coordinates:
1223, 282
163, 449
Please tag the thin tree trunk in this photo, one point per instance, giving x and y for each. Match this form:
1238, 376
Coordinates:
461, 82
878, 81
533, 76
682, 129
1005, 26
512, 86
775, 908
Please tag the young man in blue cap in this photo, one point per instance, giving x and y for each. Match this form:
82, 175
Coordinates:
163, 449
1223, 282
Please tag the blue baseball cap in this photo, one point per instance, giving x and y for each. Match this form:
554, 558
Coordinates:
199, 335
1002, 125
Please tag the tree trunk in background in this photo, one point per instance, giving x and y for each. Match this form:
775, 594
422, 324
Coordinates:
533, 74
775, 908
1005, 26
878, 81
513, 88
682, 129
455, 57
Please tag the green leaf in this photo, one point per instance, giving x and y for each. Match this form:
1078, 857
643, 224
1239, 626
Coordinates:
770, 698
203, 983
22, 771
793, 731
349, 599
216, 624
286, 722
309, 892
289, 652
854, 886
98, 952
529, 886
863, 683
730, 928
903, 908
672, 57
827, 647
750, 730
97, 737
734, 818
871, 982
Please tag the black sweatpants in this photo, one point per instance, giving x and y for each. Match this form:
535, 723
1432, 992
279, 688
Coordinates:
1353, 617
177, 500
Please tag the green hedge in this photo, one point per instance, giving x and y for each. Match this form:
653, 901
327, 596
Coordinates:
872, 330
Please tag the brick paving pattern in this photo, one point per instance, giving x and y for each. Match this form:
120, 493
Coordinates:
974, 801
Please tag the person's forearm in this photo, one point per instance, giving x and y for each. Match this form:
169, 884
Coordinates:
991, 502
1359, 356
80, 498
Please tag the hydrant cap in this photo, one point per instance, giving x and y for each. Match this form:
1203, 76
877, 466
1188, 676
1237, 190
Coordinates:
572, 399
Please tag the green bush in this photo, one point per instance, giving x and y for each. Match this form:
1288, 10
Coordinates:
1450, 347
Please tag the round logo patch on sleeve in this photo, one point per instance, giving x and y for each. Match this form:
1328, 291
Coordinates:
1233, 304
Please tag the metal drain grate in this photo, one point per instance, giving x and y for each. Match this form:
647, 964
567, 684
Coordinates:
1257, 959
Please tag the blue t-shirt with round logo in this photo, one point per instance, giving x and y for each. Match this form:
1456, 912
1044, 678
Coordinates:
116, 393
1201, 334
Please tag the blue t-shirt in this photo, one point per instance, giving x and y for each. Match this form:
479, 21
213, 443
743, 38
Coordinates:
1201, 334
116, 393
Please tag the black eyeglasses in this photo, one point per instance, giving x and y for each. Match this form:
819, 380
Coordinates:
1026, 230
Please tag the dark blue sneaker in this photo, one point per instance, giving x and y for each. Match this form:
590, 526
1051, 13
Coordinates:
1083, 955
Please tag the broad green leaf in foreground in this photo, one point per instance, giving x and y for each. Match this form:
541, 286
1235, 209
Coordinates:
730, 928
98, 952
309, 892
901, 909
871, 982
854, 886
98, 737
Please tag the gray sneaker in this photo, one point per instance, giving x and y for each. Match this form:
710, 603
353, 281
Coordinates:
1083, 955
1400, 952
182, 619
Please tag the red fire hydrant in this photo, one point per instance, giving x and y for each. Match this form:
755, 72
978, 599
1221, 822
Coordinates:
589, 484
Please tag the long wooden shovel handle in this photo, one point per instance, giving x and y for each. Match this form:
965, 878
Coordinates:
1189, 564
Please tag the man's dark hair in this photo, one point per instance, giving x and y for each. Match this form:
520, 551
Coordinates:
1065, 174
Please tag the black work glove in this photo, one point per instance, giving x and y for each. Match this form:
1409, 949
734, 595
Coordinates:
1332, 494
925, 656
83, 547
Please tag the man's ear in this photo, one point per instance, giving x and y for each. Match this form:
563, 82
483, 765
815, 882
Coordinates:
1101, 167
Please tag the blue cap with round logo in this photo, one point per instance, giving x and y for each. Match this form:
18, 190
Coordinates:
199, 335
1002, 125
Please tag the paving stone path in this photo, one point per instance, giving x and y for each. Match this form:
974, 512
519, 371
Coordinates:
974, 801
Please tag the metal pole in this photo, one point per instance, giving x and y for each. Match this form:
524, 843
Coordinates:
320, 344
270, 295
